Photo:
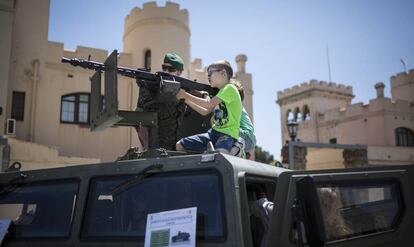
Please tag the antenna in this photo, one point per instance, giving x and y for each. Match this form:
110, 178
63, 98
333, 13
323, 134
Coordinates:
329, 63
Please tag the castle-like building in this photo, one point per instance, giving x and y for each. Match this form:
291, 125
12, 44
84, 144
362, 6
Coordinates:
326, 115
48, 102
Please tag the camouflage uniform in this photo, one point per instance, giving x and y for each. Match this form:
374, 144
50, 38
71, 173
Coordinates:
170, 118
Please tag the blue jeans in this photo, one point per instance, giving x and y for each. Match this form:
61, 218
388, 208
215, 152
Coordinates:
199, 142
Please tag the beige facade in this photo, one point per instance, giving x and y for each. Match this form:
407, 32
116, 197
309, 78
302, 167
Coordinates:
6, 23
33, 70
385, 125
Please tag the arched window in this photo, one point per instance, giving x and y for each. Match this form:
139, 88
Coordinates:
74, 108
147, 59
404, 137
290, 116
306, 113
297, 115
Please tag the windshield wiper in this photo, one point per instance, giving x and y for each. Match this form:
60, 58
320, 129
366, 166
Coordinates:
137, 178
11, 185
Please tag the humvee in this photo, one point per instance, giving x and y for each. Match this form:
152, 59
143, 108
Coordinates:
181, 237
107, 204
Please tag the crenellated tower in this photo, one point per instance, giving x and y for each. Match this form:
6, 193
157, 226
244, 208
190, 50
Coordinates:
152, 31
304, 102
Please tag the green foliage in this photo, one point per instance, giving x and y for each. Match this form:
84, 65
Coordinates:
263, 156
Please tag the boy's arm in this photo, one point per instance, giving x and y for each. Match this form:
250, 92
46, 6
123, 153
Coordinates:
203, 111
200, 105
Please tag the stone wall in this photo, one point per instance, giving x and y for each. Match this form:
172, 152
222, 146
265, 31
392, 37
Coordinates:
36, 156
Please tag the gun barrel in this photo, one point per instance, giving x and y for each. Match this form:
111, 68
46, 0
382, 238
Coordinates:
132, 73
84, 63
65, 60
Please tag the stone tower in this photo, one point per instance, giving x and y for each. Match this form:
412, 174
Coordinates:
402, 86
303, 103
152, 31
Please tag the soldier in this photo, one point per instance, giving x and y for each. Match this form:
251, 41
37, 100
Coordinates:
170, 115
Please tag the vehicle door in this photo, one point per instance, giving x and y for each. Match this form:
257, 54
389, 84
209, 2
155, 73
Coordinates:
346, 207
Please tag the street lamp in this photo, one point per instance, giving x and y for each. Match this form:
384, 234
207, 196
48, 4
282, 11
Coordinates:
292, 129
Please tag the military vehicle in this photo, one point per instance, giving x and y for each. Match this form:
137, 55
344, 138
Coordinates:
107, 204
181, 237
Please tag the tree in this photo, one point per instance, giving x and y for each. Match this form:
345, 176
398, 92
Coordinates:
263, 156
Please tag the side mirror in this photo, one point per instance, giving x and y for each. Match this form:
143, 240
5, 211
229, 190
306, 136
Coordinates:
308, 214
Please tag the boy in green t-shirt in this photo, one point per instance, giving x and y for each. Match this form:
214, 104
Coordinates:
227, 109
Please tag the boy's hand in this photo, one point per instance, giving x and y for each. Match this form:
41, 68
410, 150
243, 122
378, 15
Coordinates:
181, 94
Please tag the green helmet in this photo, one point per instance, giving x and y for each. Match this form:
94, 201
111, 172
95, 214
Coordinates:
173, 60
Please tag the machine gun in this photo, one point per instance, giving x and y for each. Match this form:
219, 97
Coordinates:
153, 81
157, 97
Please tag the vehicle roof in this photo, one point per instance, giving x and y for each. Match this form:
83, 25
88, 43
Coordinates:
173, 163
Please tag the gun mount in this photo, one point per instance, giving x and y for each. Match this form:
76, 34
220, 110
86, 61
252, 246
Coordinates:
159, 111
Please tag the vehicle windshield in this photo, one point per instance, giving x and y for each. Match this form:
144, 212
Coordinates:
124, 215
42, 209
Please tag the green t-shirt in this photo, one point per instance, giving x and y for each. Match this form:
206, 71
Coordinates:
226, 117
246, 128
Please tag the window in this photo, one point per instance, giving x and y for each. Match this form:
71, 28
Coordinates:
306, 113
332, 141
147, 59
290, 116
42, 209
297, 115
17, 111
75, 108
117, 207
404, 137
357, 210
259, 190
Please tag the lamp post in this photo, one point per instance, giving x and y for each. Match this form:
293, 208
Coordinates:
292, 129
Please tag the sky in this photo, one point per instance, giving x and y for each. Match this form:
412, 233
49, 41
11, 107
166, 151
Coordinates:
285, 42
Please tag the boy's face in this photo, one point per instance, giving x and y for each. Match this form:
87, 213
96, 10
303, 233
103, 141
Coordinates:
217, 77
